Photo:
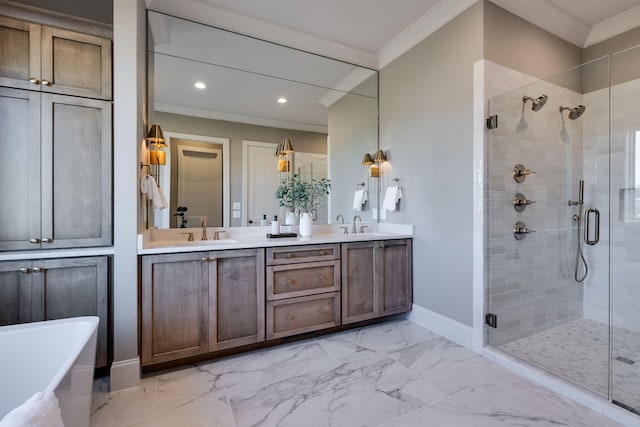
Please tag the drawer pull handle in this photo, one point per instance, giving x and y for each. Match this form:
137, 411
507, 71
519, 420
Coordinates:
323, 253
290, 281
322, 312
291, 255
289, 317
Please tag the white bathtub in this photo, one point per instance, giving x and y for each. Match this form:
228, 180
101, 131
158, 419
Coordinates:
56, 355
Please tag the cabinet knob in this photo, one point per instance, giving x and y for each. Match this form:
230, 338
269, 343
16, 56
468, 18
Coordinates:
322, 312
37, 270
34, 80
47, 240
24, 271
205, 259
34, 240
291, 255
212, 258
289, 317
290, 281
47, 82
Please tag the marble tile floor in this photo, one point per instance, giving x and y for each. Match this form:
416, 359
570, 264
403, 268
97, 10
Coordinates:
387, 375
579, 352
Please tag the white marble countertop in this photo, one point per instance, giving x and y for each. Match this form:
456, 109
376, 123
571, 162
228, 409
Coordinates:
56, 253
159, 241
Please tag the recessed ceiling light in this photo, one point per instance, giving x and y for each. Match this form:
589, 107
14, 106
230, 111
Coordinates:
282, 100
200, 85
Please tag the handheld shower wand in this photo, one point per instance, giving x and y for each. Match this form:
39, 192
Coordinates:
576, 218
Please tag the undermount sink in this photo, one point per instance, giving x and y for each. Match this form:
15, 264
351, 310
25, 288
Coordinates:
197, 242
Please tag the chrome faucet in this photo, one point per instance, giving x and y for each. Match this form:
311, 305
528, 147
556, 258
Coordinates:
341, 218
203, 223
353, 229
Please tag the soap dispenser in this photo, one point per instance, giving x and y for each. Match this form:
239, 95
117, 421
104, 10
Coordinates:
263, 221
275, 226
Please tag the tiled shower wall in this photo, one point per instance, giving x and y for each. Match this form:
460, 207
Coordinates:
530, 285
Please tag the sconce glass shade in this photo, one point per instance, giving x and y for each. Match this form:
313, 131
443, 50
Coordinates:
380, 157
155, 136
287, 148
278, 152
157, 157
367, 160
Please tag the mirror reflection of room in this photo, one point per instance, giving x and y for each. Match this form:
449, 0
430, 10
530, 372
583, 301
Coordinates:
224, 114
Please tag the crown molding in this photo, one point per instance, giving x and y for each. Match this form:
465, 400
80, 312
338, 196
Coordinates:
207, 13
238, 118
625, 21
426, 25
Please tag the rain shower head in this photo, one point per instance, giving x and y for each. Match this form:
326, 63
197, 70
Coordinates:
536, 103
574, 113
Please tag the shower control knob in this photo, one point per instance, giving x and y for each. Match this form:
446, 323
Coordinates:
520, 173
520, 202
520, 230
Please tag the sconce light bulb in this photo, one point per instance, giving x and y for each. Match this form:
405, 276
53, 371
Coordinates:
282, 100
200, 85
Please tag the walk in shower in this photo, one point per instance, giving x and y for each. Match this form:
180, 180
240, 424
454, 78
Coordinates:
562, 224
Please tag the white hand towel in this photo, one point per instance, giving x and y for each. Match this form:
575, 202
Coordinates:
40, 410
163, 198
149, 188
391, 198
359, 199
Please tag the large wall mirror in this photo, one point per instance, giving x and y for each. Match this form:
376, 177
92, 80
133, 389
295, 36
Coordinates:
222, 136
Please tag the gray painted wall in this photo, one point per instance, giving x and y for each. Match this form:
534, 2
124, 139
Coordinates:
308, 142
426, 127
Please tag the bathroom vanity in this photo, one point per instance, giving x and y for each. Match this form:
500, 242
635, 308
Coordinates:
201, 297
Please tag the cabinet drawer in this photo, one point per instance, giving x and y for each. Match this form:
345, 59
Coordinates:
296, 254
303, 314
287, 281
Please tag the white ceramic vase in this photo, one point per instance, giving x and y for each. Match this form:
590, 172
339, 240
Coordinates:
290, 219
306, 224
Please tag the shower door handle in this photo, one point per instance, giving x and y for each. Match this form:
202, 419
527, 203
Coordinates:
587, 228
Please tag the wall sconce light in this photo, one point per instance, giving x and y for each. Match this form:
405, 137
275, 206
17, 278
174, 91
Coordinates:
283, 151
374, 171
380, 157
156, 142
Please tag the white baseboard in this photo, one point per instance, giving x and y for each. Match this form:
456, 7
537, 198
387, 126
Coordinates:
125, 374
442, 325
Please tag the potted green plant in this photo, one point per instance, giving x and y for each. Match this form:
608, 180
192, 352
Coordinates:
304, 196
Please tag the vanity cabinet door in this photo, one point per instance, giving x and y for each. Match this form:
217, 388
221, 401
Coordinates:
376, 279
19, 169
236, 298
72, 287
174, 306
15, 292
76, 172
395, 282
360, 271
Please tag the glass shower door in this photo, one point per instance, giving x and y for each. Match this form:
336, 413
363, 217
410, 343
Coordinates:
546, 218
625, 229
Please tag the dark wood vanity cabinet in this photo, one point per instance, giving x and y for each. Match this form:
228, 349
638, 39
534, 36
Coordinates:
200, 302
303, 289
376, 279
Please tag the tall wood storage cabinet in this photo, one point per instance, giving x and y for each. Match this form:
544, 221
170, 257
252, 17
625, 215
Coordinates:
55, 138
55, 172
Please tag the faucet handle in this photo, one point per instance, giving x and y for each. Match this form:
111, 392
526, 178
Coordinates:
362, 227
190, 238
345, 230
203, 221
216, 234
